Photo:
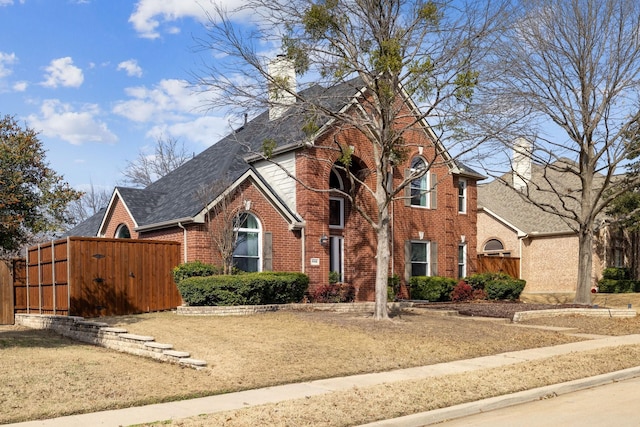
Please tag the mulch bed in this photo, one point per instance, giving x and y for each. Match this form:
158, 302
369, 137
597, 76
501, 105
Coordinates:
504, 309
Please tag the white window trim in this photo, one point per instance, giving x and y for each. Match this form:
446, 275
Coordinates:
462, 262
427, 243
425, 185
341, 201
252, 230
463, 196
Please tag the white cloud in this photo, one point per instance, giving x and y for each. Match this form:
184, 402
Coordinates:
62, 72
205, 130
20, 86
6, 60
6, 2
150, 14
168, 100
59, 120
131, 67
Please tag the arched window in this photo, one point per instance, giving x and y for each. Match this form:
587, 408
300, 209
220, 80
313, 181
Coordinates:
495, 247
122, 232
335, 180
419, 186
246, 255
336, 203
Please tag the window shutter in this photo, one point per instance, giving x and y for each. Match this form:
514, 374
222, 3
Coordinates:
267, 263
434, 258
407, 261
407, 189
434, 191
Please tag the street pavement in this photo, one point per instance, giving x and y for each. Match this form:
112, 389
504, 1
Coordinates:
613, 404
230, 401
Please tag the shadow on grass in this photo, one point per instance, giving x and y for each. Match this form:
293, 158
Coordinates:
15, 337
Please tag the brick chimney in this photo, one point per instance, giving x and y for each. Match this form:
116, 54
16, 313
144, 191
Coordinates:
282, 69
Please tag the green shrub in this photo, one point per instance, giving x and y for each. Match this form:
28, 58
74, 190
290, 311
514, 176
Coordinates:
431, 288
615, 273
616, 280
508, 288
244, 289
334, 277
393, 287
194, 269
613, 286
479, 281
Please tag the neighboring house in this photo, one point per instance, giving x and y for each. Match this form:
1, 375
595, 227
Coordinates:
510, 225
284, 226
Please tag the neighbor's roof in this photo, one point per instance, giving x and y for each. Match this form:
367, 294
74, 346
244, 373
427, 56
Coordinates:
88, 227
503, 201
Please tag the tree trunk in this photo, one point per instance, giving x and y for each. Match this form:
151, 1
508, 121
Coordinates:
585, 264
382, 265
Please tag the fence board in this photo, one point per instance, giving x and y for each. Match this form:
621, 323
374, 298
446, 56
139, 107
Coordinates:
93, 277
6, 294
498, 264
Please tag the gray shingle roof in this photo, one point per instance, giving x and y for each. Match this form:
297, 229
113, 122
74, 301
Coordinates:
177, 195
510, 205
87, 228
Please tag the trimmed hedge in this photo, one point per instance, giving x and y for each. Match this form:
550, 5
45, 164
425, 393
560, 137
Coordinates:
194, 269
244, 289
431, 288
497, 285
616, 280
612, 286
505, 289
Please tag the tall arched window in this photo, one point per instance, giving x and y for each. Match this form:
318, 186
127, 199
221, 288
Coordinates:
419, 186
246, 255
122, 232
336, 203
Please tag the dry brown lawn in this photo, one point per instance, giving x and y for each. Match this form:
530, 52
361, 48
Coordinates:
44, 375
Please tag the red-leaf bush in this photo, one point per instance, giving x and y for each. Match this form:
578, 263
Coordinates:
462, 292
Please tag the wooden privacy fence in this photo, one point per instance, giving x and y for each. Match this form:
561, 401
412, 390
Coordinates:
91, 277
499, 264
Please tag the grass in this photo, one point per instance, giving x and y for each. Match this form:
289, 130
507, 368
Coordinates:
45, 376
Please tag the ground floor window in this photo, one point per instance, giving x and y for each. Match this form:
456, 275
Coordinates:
336, 256
420, 259
246, 255
462, 261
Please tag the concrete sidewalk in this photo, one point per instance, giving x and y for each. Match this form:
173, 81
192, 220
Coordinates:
230, 401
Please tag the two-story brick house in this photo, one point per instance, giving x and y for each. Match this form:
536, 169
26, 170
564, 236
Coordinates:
284, 225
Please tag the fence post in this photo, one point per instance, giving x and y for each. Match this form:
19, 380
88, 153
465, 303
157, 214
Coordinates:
26, 250
53, 275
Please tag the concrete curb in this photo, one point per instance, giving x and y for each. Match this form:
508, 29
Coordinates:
504, 401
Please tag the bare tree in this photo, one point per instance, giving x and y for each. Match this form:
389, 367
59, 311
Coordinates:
222, 220
430, 50
146, 168
89, 204
567, 79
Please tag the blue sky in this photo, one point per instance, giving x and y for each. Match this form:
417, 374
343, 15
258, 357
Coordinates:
101, 80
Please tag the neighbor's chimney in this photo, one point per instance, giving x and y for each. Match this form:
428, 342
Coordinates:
282, 69
521, 163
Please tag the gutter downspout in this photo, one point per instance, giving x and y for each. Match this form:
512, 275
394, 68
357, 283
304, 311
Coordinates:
304, 249
184, 242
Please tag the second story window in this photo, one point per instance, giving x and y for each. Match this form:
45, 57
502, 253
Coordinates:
419, 186
462, 195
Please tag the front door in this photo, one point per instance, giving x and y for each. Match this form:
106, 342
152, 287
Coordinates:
336, 256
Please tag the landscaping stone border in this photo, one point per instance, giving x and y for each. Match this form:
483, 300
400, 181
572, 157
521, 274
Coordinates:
246, 310
591, 312
101, 334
